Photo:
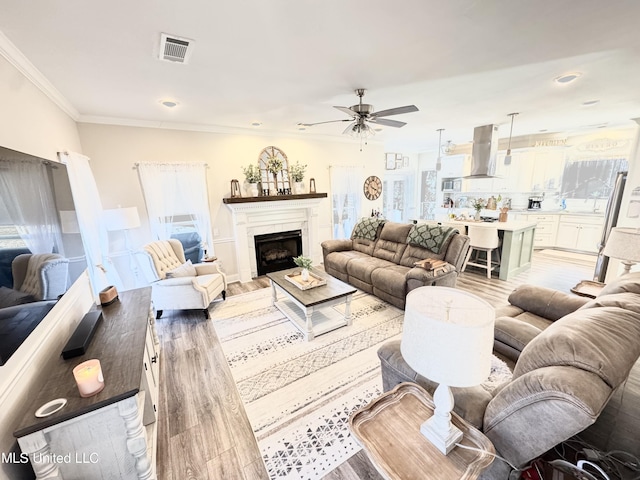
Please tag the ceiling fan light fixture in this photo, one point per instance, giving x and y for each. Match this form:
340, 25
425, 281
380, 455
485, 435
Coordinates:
169, 103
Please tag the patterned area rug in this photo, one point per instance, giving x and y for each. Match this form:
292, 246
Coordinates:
299, 395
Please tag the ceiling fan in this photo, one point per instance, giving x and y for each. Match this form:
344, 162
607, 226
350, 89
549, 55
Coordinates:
362, 114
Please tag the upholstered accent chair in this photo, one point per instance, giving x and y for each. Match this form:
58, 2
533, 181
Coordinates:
178, 284
44, 276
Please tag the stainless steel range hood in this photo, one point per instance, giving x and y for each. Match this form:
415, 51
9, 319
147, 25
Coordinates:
483, 154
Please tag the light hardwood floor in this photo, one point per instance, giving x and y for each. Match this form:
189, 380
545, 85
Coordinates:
203, 431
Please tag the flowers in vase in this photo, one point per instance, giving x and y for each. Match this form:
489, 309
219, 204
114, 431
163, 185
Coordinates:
478, 204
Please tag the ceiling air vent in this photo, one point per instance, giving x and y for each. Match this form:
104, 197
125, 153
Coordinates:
175, 49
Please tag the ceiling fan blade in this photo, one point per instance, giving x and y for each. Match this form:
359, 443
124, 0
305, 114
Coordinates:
346, 110
387, 122
349, 128
395, 111
320, 123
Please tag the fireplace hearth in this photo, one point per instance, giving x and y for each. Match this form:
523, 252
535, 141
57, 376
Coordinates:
276, 251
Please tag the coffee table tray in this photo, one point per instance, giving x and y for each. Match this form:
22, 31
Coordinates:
314, 280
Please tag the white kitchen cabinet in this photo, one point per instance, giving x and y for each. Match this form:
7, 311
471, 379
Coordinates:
546, 228
452, 166
580, 232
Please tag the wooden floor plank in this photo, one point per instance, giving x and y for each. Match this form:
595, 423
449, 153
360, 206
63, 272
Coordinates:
203, 430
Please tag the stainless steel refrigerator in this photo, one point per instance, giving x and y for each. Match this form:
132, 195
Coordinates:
610, 220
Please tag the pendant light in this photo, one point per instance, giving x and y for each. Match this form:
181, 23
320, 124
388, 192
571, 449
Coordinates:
439, 161
507, 158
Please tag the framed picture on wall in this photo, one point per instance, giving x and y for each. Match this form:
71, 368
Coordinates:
390, 161
405, 162
398, 160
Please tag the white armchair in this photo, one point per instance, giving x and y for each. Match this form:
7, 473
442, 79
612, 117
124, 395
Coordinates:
42, 275
157, 259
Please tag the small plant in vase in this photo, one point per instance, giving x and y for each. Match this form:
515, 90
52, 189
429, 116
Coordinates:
252, 177
297, 172
305, 263
478, 204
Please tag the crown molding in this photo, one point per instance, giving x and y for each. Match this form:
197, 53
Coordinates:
16, 58
195, 127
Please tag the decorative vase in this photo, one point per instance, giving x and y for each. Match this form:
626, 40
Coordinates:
477, 217
298, 188
304, 275
253, 189
275, 182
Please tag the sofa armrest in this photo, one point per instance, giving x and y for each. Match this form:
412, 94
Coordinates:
545, 302
512, 335
420, 277
329, 246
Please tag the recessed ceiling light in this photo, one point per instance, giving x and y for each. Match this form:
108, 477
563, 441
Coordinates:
301, 127
567, 78
256, 124
169, 103
543, 130
590, 103
379, 129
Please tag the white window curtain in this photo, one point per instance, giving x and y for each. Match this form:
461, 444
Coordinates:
345, 199
31, 205
95, 237
176, 190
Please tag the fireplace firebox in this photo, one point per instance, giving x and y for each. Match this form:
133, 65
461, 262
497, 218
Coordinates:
276, 251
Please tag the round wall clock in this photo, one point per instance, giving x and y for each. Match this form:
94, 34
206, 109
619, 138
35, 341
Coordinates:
372, 187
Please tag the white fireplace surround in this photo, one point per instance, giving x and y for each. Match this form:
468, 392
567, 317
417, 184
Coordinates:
258, 218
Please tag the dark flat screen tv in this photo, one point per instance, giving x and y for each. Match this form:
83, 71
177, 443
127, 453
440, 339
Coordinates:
37, 215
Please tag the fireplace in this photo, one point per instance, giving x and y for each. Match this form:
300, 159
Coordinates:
276, 251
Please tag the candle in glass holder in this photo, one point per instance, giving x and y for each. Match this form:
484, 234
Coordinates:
89, 377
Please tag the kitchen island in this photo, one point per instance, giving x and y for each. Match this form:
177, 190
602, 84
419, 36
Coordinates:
516, 248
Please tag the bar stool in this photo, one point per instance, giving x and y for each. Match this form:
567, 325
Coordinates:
483, 239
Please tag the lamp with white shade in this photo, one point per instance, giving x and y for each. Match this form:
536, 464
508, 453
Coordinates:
448, 338
624, 244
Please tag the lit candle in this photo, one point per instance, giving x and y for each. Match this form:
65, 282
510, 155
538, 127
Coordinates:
89, 377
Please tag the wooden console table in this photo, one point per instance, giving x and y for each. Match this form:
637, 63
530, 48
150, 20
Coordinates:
112, 434
389, 431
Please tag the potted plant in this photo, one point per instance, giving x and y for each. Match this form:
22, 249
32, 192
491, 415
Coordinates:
297, 176
478, 204
252, 177
305, 263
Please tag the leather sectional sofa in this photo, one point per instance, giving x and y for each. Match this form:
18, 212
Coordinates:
575, 371
379, 257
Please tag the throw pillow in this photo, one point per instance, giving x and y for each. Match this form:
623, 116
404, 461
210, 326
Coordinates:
430, 236
185, 270
10, 297
367, 228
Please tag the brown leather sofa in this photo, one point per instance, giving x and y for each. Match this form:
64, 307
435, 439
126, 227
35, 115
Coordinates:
575, 371
383, 264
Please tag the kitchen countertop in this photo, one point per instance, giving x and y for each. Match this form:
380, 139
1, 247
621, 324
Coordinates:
509, 225
556, 212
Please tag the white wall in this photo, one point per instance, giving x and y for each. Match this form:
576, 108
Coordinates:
31, 123
115, 149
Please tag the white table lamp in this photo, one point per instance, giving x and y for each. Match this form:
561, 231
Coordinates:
624, 244
448, 338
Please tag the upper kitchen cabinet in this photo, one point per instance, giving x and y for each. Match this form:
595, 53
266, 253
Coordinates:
547, 168
452, 166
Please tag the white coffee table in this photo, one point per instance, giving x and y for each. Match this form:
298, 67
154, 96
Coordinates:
310, 310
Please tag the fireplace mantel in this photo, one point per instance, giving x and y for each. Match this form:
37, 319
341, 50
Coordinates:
275, 198
261, 215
